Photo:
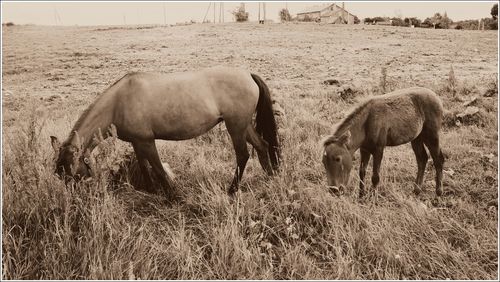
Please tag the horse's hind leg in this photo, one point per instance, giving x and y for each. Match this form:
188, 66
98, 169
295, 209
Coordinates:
261, 146
240, 147
432, 143
148, 150
422, 157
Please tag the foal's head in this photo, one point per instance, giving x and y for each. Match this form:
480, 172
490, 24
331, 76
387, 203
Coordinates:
72, 162
337, 160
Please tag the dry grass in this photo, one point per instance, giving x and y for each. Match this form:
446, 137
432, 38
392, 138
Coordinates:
285, 227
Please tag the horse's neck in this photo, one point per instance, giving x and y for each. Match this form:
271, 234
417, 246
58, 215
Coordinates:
357, 130
95, 121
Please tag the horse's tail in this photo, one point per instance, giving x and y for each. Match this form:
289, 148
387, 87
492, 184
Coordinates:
265, 122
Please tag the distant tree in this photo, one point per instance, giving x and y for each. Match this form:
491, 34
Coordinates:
427, 23
467, 24
398, 22
285, 15
367, 20
412, 21
445, 21
240, 15
490, 23
356, 20
379, 19
440, 21
436, 19
493, 24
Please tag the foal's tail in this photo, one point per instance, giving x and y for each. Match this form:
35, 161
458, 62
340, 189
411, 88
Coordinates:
265, 122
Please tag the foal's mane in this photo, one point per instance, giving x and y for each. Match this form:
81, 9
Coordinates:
86, 112
347, 122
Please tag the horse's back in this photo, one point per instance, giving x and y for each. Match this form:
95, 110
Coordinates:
405, 113
147, 103
426, 100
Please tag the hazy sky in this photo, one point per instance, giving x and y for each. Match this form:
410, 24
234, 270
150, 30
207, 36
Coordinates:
112, 13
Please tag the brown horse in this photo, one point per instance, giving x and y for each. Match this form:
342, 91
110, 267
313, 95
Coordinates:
148, 106
408, 115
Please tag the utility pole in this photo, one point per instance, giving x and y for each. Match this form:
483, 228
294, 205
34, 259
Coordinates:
164, 15
259, 12
343, 12
206, 13
264, 11
214, 12
222, 11
57, 19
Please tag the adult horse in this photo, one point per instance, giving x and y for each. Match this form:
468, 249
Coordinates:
408, 115
148, 106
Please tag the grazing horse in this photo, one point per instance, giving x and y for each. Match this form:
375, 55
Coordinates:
408, 115
148, 106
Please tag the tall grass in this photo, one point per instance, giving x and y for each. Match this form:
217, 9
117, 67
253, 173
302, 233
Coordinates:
285, 227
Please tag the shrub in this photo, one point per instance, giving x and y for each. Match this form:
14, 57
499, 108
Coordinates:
451, 85
240, 15
412, 21
285, 15
398, 22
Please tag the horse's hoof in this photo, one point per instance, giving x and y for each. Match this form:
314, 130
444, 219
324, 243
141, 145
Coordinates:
232, 191
439, 192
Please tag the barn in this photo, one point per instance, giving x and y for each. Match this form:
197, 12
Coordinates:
328, 13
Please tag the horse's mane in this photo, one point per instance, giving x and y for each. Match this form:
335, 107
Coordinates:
86, 112
347, 122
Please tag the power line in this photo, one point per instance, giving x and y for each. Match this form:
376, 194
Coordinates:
206, 13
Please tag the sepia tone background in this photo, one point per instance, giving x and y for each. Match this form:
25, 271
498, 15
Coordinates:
285, 227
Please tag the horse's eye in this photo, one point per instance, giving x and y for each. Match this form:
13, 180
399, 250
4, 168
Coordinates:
337, 159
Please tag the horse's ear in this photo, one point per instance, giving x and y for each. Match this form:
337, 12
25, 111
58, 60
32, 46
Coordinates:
55, 143
345, 138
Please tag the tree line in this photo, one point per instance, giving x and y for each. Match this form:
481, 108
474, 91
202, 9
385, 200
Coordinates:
439, 21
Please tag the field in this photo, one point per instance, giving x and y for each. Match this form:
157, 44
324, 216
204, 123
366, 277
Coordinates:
285, 227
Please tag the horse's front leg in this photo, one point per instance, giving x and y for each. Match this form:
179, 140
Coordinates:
377, 161
143, 165
149, 151
365, 159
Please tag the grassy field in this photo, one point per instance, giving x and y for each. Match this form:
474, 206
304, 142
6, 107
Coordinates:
285, 227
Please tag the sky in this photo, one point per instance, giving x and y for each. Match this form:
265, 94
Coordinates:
113, 13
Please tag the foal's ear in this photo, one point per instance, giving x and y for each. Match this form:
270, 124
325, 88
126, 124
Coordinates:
345, 138
55, 143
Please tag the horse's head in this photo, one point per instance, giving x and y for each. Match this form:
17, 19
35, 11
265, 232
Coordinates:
337, 160
72, 162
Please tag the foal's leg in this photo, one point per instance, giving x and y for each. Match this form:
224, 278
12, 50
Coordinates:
432, 143
365, 159
422, 157
377, 161
148, 149
261, 146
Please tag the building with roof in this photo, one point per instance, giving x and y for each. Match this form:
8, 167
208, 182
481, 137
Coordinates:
326, 13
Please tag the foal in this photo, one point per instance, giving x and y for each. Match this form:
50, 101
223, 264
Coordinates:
408, 115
